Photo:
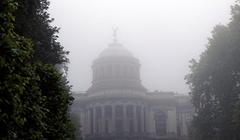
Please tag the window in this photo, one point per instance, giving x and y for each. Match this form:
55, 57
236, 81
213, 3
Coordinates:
130, 111
108, 111
160, 123
106, 127
119, 126
119, 111
131, 127
98, 112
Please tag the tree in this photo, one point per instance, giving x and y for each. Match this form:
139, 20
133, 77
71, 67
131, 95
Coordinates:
57, 92
215, 84
76, 121
33, 22
20, 94
35, 96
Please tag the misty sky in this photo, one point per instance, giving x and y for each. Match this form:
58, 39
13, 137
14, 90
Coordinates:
163, 34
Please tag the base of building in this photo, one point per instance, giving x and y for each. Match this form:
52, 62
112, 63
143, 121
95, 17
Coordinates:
127, 138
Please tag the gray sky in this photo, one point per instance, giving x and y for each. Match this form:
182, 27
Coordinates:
163, 34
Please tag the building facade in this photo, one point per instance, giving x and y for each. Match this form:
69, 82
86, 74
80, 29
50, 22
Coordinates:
118, 107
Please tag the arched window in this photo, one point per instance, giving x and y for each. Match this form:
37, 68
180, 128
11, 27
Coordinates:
160, 123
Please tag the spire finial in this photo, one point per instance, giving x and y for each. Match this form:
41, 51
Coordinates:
115, 34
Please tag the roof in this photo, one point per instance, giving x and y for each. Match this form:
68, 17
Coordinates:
115, 50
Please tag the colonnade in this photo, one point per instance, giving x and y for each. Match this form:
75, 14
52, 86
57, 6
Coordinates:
116, 119
115, 71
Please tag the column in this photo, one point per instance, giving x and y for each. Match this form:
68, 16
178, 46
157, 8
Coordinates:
125, 126
142, 118
147, 119
94, 120
102, 120
113, 119
135, 118
91, 120
151, 127
171, 121
88, 126
85, 121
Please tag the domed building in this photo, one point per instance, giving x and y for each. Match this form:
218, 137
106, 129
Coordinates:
118, 107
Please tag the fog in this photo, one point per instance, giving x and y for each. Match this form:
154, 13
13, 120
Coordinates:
163, 34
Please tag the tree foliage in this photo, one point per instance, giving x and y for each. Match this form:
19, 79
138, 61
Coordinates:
56, 90
33, 21
215, 84
20, 94
34, 96
75, 117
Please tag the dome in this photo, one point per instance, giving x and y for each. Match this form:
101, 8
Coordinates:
116, 68
115, 50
